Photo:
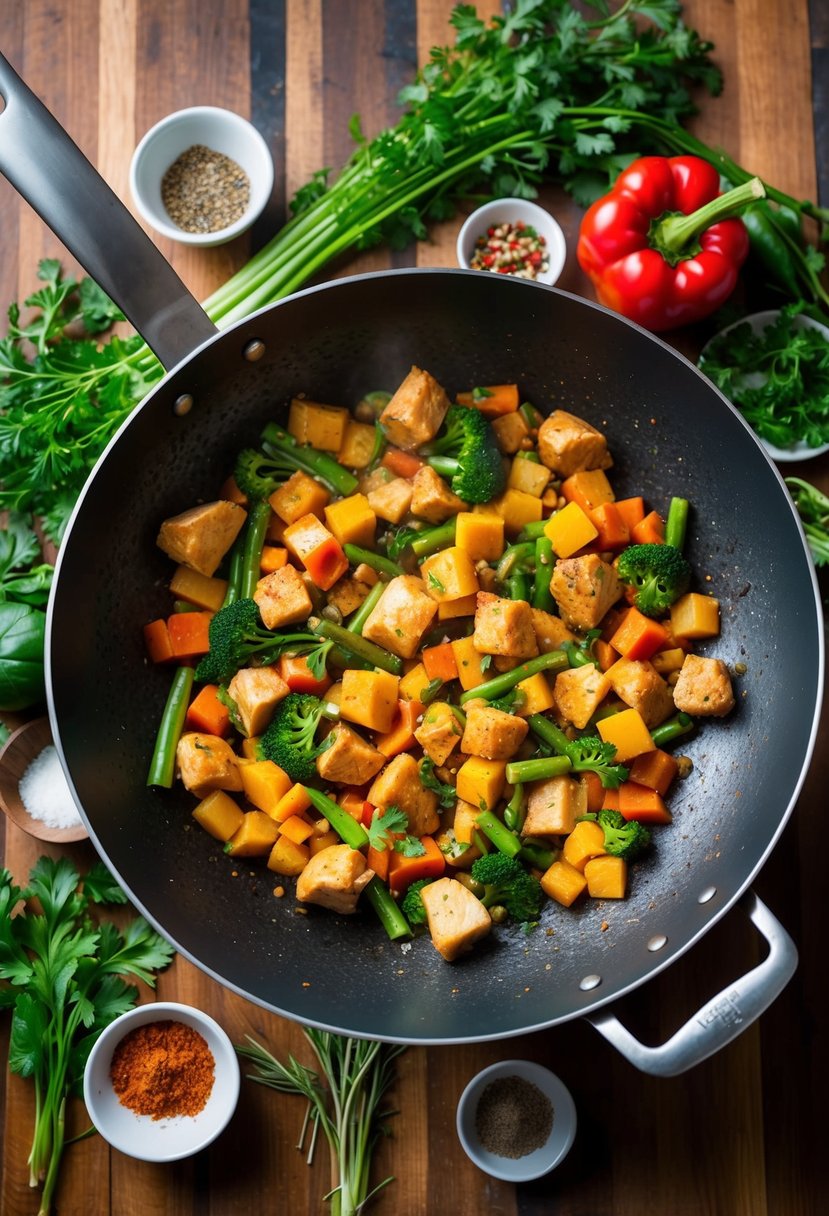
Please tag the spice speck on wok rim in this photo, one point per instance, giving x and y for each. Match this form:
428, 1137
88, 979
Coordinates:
163, 1069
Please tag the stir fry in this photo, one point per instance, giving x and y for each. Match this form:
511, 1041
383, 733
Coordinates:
424, 657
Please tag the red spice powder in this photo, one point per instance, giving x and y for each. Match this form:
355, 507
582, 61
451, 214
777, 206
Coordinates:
163, 1069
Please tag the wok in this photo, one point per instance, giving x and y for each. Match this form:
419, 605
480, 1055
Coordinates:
670, 432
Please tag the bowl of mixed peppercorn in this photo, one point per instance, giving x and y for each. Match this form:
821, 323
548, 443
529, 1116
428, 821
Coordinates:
515, 237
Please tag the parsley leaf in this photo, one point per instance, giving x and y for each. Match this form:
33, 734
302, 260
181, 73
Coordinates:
447, 794
385, 824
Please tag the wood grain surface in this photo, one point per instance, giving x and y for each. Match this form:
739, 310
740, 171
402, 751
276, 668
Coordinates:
740, 1135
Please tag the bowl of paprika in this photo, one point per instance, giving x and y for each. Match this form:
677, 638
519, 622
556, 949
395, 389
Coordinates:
161, 1081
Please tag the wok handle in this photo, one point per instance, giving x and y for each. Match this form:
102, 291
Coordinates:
53, 175
724, 1017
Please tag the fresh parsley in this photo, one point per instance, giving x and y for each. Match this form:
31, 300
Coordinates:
384, 825
447, 794
24, 579
63, 973
813, 509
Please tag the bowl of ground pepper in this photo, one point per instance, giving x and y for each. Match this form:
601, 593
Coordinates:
516, 1120
201, 176
161, 1082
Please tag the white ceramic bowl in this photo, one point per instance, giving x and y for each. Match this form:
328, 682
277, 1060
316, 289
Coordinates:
511, 210
217, 129
167, 1139
758, 322
541, 1160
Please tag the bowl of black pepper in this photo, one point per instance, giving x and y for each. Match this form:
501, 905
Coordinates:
516, 1120
201, 175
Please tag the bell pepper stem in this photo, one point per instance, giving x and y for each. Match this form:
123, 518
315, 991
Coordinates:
672, 234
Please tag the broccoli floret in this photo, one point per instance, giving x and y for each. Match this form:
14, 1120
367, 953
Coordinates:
623, 837
237, 636
259, 473
468, 453
412, 904
589, 753
660, 574
506, 882
289, 739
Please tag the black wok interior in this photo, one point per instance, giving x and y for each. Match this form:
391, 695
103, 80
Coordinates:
670, 433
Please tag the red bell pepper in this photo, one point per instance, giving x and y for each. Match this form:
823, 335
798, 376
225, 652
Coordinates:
664, 247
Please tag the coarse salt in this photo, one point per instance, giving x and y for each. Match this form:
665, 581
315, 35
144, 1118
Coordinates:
45, 791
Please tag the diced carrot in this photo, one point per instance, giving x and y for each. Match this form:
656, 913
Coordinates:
378, 861
649, 531
497, 400
401, 736
296, 673
611, 622
157, 641
595, 791
352, 801
440, 662
274, 557
638, 637
614, 532
402, 464
655, 769
231, 492
405, 870
643, 804
632, 510
189, 633
605, 654
610, 800
207, 713
297, 828
326, 563
293, 802
589, 488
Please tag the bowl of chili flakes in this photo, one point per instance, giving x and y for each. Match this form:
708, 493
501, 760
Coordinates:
162, 1081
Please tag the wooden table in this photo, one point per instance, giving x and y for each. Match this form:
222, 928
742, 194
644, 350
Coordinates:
742, 1134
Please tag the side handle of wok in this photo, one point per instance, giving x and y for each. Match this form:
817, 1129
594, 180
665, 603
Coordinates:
725, 1017
52, 174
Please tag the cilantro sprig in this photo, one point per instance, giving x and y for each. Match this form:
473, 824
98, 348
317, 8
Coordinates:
63, 980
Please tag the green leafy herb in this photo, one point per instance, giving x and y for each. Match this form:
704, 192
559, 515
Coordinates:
344, 1097
435, 583
385, 824
24, 579
22, 634
410, 846
778, 378
447, 794
813, 509
64, 985
479, 393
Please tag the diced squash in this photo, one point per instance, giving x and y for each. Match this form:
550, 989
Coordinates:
189, 634
638, 636
413, 683
649, 531
297, 828
570, 529
369, 698
352, 520
537, 693
300, 495
219, 814
563, 883
643, 804
628, 733
529, 476
450, 610
468, 660
357, 445
656, 769
481, 536
288, 858
449, 574
440, 662
249, 747
254, 836
584, 842
606, 877
695, 616
294, 802
400, 735
322, 426
317, 843
667, 661
273, 558
594, 791
198, 589
264, 784
589, 488
516, 508
481, 781
318, 550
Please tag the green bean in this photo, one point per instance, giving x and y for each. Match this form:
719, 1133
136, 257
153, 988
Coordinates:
537, 770
504, 840
257, 526
388, 912
163, 762
544, 564
431, 540
513, 556
350, 831
679, 725
514, 810
234, 571
537, 855
677, 522
548, 732
554, 660
518, 586
532, 530
356, 622
383, 565
353, 643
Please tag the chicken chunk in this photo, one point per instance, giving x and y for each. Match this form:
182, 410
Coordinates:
579, 691
283, 598
704, 687
431, 497
567, 444
399, 785
511, 431
492, 733
257, 691
456, 918
347, 595
349, 758
584, 589
206, 763
553, 806
199, 538
439, 733
504, 627
401, 616
639, 685
334, 878
416, 411
391, 500
550, 631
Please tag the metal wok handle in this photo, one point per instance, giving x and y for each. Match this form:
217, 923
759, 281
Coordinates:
724, 1017
52, 174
